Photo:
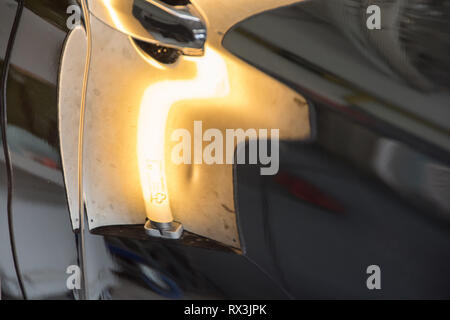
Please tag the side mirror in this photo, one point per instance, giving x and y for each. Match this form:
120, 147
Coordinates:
155, 22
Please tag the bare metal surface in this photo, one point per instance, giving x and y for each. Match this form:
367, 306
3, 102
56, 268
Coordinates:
70, 86
202, 196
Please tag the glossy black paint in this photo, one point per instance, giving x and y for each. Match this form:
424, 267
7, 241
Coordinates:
371, 186
44, 240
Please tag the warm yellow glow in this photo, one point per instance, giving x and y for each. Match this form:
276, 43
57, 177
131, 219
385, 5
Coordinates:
112, 12
210, 81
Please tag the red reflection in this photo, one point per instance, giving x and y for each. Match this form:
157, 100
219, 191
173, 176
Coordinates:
306, 191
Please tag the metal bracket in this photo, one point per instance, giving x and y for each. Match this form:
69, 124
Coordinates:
168, 230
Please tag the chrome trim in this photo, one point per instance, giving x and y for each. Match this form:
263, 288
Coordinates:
155, 22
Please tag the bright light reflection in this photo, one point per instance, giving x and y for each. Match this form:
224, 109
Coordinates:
211, 81
113, 15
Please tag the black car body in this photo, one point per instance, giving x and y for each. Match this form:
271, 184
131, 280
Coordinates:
368, 185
